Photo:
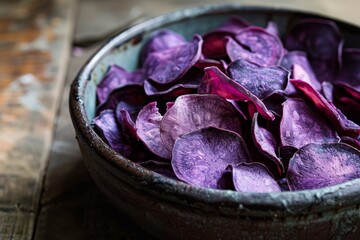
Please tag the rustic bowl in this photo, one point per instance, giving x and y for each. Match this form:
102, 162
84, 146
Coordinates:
170, 209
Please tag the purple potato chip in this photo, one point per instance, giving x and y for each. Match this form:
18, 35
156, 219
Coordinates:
204, 63
254, 177
258, 46
272, 28
195, 111
216, 82
348, 90
186, 84
117, 77
132, 109
261, 81
274, 102
285, 154
327, 90
106, 126
300, 59
239, 108
350, 69
161, 40
163, 168
214, 46
265, 141
351, 141
321, 165
322, 40
148, 129
126, 124
130, 94
169, 65
339, 120
298, 72
201, 157
300, 125
283, 184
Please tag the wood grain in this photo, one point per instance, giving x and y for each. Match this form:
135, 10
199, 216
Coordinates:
35, 39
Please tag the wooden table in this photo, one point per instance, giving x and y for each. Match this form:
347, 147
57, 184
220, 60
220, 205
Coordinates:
45, 190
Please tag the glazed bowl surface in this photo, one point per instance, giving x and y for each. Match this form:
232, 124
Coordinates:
170, 209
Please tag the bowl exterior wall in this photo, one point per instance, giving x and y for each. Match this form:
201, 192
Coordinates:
168, 220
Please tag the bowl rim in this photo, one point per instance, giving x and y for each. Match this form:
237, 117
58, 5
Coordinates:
337, 197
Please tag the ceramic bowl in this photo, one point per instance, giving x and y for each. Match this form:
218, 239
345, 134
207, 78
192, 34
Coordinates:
170, 209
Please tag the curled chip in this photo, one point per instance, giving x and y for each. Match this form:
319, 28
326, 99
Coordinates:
185, 84
297, 62
214, 46
148, 129
117, 77
169, 65
260, 81
201, 157
106, 126
321, 165
338, 119
195, 111
254, 177
216, 82
257, 45
265, 141
300, 125
161, 40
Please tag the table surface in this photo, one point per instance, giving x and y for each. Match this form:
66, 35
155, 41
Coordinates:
45, 189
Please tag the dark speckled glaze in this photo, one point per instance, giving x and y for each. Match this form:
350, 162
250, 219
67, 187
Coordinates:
170, 209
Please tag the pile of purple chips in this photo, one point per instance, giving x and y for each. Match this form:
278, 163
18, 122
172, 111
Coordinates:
239, 107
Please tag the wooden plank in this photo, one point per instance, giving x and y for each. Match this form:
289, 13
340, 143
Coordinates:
35, 38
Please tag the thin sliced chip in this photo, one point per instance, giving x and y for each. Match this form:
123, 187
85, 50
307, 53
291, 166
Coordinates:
169, 65
117, 77
258, 46
201, 157
339, 120
265, 141
126, 124
355, 142
300, 125
184, 85
216, 82
195, 111
106, 126
321, 165
274, 102
254, 177
322, 41
161, 40
214, 45
327, 90
302, 71
130, 94
148, 129
204, 63
261, 81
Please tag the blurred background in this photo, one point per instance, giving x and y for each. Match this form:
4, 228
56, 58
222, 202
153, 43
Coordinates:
45, 190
